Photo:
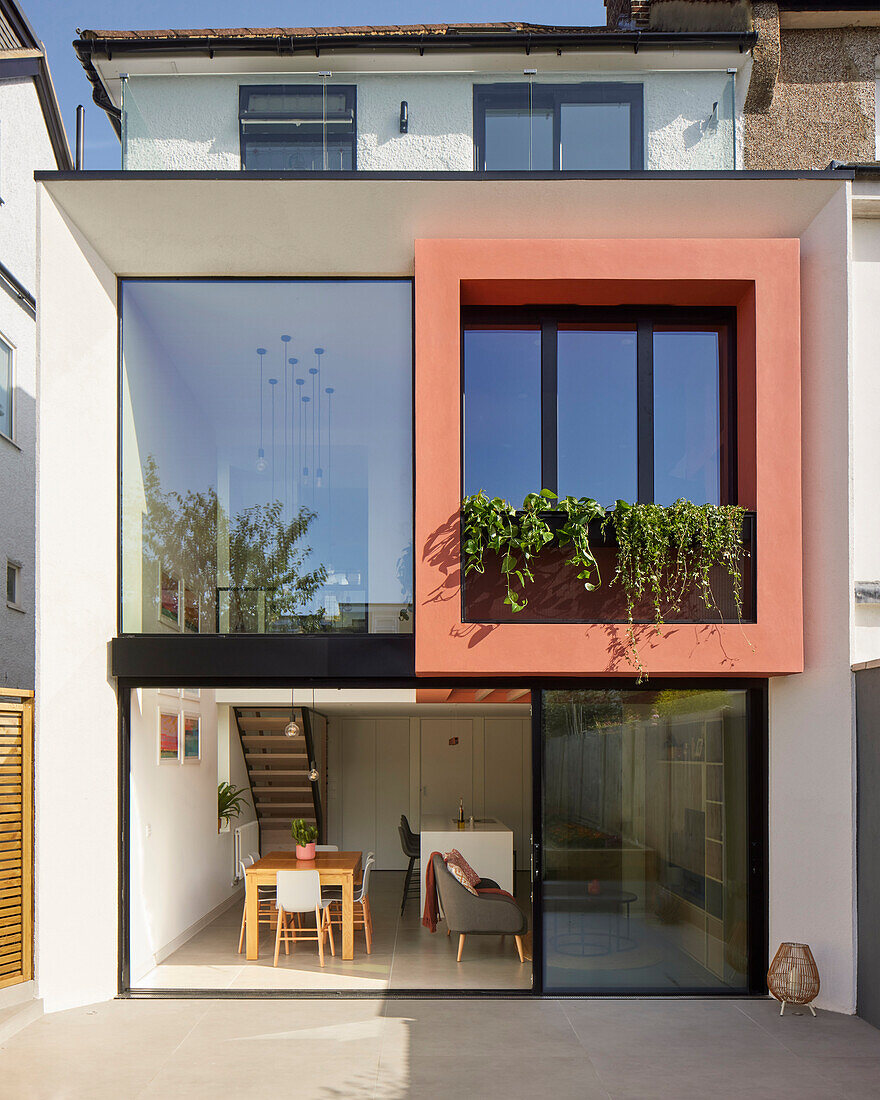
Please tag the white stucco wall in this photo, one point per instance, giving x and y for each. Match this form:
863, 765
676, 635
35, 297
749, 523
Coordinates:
76, 777
812, 718
24, 147
183, 870
866, 437
191, 122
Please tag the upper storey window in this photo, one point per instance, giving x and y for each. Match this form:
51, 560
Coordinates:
610, 404
298, 127
558, 127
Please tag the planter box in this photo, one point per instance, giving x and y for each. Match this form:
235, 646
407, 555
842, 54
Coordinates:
556, 595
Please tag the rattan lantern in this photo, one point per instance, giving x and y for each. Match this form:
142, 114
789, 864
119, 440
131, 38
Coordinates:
793, 977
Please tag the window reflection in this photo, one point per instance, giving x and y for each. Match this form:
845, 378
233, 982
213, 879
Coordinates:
267, 456
687, 417
597, 435
645, 840
502, 412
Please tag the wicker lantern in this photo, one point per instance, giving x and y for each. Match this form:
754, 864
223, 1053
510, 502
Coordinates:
793, 977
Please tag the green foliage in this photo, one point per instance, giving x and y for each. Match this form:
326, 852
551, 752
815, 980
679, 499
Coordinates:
664, 553
230, 801
302, 832
182, 532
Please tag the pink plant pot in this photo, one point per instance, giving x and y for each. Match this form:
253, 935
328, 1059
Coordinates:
307, 852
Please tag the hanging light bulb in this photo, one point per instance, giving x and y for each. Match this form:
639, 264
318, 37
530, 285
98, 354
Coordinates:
292, 730
261, 454
313, 775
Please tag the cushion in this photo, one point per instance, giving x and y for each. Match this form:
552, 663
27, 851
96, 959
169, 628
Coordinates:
462, 870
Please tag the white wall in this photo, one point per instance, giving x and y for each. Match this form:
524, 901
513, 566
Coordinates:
375, 775
812, 758
183, 870
866, 437
24, 147
191, 122
76, 714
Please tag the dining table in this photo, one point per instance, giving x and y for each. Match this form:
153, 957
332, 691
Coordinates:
335, 869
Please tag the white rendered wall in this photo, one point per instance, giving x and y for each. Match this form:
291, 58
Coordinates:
191, 122
812, 719
24, 147
76, 713
866, 437
183, 870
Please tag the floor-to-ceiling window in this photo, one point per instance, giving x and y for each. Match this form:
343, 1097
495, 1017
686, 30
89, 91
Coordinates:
266, 456
646, 873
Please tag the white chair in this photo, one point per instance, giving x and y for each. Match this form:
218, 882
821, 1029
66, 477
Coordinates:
300, 892
265, 900
362, 916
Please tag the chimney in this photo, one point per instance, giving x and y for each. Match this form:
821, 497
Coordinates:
627, 14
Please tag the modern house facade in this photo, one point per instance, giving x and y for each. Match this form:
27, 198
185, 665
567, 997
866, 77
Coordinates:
32, 139
344, 281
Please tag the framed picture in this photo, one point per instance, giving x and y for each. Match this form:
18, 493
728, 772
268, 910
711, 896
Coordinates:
190, 610
169, 738
169, 599
191, 741
190, 693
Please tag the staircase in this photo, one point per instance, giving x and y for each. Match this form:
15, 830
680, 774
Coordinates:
278, 771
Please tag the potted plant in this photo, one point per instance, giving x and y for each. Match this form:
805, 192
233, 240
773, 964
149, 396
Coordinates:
230, 802
305, 836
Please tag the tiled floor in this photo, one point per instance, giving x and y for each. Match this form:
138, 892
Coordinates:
318, 1050
404, 956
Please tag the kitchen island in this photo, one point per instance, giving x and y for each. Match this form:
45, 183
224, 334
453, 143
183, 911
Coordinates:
487, 846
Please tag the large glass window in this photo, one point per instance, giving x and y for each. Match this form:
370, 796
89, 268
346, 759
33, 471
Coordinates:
267, 456
6, 390
645, 869
298, 127
618, 404
558, 127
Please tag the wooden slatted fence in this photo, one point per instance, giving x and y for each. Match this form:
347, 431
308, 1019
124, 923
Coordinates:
16, 836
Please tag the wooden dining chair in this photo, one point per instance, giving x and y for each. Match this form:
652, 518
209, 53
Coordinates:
265, 902
363, 918
299, 892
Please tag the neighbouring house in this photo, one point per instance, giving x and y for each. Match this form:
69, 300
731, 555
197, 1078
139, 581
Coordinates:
31, 137
344, 280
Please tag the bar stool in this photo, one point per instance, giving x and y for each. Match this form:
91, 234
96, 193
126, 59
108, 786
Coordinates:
409, 842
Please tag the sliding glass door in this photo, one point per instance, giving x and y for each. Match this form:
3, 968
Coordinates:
646, 844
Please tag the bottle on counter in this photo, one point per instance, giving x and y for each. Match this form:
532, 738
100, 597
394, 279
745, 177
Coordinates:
461, 813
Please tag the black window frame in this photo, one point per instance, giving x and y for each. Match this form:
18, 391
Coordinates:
285, 137
645, 320
552, 96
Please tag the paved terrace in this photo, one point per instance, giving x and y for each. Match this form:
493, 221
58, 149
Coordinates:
328, 1050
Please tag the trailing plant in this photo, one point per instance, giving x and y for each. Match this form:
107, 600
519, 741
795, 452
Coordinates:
302, 832
230, 801
518, 536
664, 553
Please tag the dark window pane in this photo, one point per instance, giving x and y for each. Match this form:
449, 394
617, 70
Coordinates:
645, 824
597, 441
502, 412
687, 429
517, 139
298, 128
11, 584
594, 136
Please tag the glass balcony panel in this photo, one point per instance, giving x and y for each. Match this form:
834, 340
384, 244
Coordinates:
267, 456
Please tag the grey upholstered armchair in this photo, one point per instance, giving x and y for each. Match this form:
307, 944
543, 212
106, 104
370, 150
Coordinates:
486, 915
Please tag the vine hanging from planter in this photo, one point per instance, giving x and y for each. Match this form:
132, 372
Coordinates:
664, 553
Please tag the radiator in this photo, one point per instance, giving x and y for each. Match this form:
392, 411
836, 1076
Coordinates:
245, 842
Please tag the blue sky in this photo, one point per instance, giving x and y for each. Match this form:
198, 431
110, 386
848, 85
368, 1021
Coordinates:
56, 23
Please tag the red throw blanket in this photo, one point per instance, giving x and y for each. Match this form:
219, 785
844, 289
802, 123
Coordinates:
431, 913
